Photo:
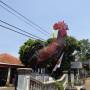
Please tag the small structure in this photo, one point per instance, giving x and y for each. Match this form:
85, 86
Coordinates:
8, 65
76, 67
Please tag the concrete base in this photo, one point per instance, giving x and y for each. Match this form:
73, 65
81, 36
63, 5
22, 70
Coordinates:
71, 88
76, 88
80, 87
7, 88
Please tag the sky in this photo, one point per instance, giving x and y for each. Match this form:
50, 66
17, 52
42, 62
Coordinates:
76, 13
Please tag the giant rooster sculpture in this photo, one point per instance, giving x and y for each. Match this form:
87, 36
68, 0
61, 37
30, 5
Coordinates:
56, 47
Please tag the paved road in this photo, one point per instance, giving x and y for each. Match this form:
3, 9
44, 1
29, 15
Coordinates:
87, 83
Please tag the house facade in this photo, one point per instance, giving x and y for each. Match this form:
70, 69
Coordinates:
8, 69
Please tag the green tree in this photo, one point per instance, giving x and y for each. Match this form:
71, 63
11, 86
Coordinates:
59, 85
28, 49
48, 41
84, 52
72, 44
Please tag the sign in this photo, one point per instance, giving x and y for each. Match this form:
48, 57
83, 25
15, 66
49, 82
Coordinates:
76, 65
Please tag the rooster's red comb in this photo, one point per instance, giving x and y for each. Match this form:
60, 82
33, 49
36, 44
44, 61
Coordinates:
60, 26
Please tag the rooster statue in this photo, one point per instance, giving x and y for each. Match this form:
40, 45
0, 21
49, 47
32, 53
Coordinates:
55, 48
57, 45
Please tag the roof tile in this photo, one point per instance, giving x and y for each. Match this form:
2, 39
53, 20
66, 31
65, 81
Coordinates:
9, 59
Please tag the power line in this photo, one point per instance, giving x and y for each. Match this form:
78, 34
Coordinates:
9, 11
17, 32
30, 21
20, 29
19, 17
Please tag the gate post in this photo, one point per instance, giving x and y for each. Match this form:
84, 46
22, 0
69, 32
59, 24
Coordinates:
23, 78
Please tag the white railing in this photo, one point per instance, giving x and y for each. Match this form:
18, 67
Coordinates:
28, 81
47, 85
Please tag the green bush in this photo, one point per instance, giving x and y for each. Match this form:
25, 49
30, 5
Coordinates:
59, 85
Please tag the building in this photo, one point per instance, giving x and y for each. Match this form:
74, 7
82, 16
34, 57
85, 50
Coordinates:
8, 66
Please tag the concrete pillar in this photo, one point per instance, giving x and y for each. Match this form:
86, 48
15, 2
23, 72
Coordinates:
24, 78
66, 79
8, 77
66, 73
72, 79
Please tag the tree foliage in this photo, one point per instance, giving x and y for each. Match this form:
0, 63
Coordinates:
59, 85
71, 45
28, 49
84, 52
31, 46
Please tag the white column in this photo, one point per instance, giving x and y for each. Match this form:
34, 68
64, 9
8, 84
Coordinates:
31, 85
72, 79
27, 83
77, 74
24, 79
8, 76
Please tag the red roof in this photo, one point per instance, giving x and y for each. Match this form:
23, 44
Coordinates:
9, 59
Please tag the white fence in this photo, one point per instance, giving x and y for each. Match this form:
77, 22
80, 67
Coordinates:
47, 85
27, 81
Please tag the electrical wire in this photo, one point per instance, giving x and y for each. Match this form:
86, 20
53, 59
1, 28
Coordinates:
20, 29
17, 32
19, 18
30, 21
